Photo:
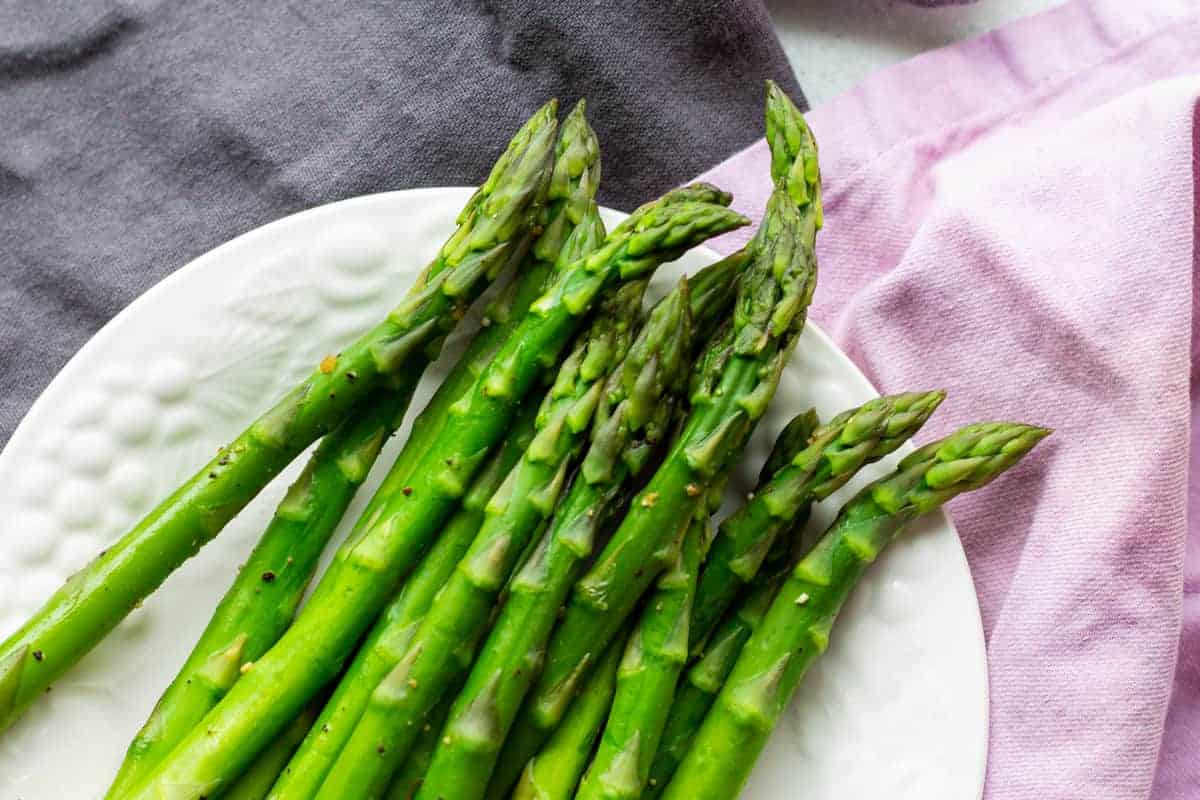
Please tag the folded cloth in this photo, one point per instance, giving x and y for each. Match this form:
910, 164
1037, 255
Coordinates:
1014, 219
136, 136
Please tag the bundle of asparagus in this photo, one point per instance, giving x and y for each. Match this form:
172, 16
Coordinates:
536, 602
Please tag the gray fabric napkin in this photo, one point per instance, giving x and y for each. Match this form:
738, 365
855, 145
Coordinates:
135, 136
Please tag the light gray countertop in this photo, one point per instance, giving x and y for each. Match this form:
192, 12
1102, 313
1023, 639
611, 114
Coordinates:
834, 44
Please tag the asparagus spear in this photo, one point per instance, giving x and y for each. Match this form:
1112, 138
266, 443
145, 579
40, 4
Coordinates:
366, 570
795, 630
838, 450
554, 771
704, 677
820, 461
492, 231
738, 376
573, 182
696, 694
263, 598
631, 419
658, 651
795, 436
390, 635
397, 707
256, 782
691, 703
654, 657
411, 774
573, 185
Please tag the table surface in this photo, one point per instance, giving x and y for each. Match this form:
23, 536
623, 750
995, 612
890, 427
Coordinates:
834, 45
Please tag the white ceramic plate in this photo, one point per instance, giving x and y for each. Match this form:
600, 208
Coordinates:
896, 709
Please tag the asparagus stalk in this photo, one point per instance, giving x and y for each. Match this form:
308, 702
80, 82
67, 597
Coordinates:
794, 437
650, 668
837, 451
397, 707
256, 782
696, 694
657, 652
795, 630
691, 703
704, 677
573, 182
390, 635
631, 419
411, 774
263, 598
493, 230
554, 771
367, 569
738, 377
820, 449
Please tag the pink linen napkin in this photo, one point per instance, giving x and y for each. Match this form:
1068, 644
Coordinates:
1013, 219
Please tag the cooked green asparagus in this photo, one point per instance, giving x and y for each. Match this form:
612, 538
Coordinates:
255, 783
630, 422
574, 178
650, 668
369, 567
390, 635
260, 604
657, 653
573, 184
838, 450
554, 771
397, 707
493, 229
738, 376
796, 628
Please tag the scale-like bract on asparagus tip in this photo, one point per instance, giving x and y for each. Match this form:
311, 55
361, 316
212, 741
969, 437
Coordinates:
699, 192
545, 118
794, 165
572, 184
909, 412
777, 288
790, 442
967, 459
585, 238
714, 288
709, 367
